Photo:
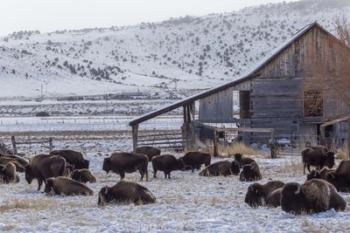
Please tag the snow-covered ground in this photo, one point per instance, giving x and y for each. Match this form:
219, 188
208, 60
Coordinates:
186, 203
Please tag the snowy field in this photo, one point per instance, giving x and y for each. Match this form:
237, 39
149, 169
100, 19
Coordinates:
186, 203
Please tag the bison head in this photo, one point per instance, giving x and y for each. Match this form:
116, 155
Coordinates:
106, 165
255, 195
293, 199
48, 186
28, 174
314, 175
235, 168
104, 196
329, 162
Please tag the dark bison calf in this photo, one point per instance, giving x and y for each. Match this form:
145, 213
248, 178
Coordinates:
72, 157
167, 164
83, 176
66, 186
122, 163
125, 193
312, 197
8, 173
260, 195
194, 160
42, 167
242, 160
317, 157
149, 151
221, 168
250, 172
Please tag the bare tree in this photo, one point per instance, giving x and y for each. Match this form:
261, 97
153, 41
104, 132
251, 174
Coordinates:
342, 28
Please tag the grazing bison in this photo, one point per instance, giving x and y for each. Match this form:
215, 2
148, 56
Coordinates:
66, 186
125, 193
83, 176
221, 168
260, 195
317, 157
75, 158
122, 163
167, 164
42, 167
242, 160
313, 196
250, 172
149, 151
194, 160
8, 173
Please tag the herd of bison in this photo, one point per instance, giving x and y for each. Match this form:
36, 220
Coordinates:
66, 172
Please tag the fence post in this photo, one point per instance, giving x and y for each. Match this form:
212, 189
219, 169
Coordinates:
349, 138
135, 129
50, 144
215, 153
14, 147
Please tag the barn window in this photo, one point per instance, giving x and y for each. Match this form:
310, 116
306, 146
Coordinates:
244, 104
313, 103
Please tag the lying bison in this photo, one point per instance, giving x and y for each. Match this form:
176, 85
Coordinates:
242, 160
250, 172
66, 186
319, 174
317, 157
122, 163
312, 197
221, 168
8, 173
194, 160
149, 151
261, 195
72, 157
83, 176
167, 164
42, 167
340, 178
6, 160
125, 193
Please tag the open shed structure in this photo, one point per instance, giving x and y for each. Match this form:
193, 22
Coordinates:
303, 84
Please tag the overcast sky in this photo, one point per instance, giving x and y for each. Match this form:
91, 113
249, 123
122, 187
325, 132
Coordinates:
50, 15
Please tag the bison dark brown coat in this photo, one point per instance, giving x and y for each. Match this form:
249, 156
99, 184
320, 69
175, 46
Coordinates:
194, 160
66, 186
122, 163
83, 176
72, 157
125, 193
260, 195
250, 172
167, 164
149, 151
221, 168
317, 157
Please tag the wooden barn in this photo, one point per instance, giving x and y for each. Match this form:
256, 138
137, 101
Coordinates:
303, 84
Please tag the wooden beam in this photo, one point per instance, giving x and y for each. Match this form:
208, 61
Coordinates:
135, 130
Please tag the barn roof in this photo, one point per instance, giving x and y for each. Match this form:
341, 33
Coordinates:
250, 75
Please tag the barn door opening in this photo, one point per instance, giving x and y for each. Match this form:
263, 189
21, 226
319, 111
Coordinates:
244, 105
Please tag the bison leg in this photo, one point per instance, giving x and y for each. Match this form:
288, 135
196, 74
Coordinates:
308, 168
154, 173
169, 175
304, 167
40, 182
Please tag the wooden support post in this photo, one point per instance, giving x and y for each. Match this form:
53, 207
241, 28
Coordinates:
50, 144
349, 138
135, 131
216, 139
14, 147
323, 135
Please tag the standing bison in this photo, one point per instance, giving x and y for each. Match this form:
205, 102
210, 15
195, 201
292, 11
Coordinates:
42, 167
260, 195
122, 163
125, 193
194, 160
167, 164
250, 172
313, 196
318, 157
221, 168
76, 159
66, 186
149, 151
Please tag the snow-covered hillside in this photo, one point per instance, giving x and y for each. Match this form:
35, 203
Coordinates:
184, 53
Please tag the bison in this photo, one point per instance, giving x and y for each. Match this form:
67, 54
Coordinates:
167, 164
5, 160
149, 151
72, 157
340, 178
83, 176
8, 173
194, 160
125, 193
313, 196
242, 160
221, 168
250, 172
43, 166
318, 157
122, 163
66, 186
319, 174
260, 195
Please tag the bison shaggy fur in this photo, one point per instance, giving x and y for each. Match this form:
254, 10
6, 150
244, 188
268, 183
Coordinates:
250, 172
66, 186
194, 160
149, 151
72, 157
221, 168
83, 176
263, 194
167, 164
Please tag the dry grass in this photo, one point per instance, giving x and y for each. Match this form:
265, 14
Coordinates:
36, 204
238, 148
343, 153
291, 168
